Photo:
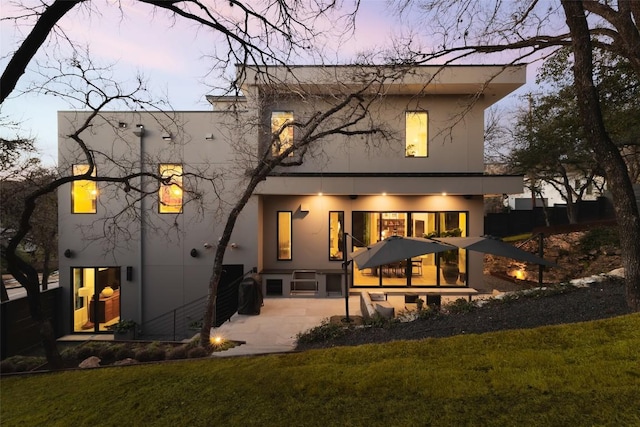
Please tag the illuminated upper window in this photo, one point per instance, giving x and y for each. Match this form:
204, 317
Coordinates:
279, 120
417, 133
84, 193
170, 197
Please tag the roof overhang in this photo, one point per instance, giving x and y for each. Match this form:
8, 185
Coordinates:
399, 184
493, 81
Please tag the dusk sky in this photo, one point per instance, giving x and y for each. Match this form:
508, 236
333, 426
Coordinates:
169, 54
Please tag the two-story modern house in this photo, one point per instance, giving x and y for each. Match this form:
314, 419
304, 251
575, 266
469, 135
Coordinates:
422, 176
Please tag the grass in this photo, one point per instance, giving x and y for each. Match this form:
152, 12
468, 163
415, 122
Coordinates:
579, 374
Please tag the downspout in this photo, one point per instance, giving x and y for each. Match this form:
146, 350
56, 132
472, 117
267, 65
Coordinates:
139, 132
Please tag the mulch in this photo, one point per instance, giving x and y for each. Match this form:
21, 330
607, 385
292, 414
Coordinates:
566, 304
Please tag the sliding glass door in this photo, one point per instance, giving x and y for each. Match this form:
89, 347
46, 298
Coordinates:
447, 269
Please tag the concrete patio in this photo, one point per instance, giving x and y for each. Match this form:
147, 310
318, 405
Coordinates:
274, 330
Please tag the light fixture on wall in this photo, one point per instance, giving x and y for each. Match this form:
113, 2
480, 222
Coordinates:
194, 253
129, 273
139, 130
166, 136
208, 136
68, 253
234, 246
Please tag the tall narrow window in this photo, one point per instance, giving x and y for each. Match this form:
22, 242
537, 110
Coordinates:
170, 197
279, 120
284, 236
84, 193
336, 233
417, 134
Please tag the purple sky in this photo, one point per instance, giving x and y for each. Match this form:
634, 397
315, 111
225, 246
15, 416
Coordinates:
169, 54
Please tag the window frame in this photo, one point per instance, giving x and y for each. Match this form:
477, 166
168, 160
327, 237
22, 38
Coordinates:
91, 188
290, 225
176, 180
287, 132
409, 147
340, 236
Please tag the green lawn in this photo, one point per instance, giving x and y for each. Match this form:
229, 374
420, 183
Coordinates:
574, 375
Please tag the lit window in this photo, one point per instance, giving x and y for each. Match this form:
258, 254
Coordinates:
84, 193
284, 236
417, 133
171, 191
279, 120
336, 233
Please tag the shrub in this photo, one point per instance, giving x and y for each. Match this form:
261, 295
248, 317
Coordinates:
150, 353
107, 354
431, 312
460, 305
599, 237
377, 321
21, 363
326, 331
179, 352
197, 352
122, 352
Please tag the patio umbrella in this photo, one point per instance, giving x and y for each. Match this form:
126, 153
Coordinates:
495, 246
394, 249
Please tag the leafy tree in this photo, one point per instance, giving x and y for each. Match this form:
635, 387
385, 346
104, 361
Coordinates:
42, 239
551, 143
550, 148
532, 29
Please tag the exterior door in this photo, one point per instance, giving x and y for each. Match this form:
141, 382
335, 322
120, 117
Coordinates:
96, 298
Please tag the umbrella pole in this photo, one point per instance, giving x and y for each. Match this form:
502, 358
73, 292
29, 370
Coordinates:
541, 254
345, 265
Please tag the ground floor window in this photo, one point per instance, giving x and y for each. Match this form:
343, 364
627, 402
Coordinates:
284, 235
445, 269
336, 235
96, 298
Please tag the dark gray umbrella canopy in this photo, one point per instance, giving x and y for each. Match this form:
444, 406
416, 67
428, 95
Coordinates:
494, 246
394, 249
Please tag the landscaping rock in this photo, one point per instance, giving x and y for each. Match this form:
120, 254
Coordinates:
90, 362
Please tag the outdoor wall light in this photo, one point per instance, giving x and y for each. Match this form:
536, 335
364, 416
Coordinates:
166, 136
234, 246
139, 131
208, 136
68, 253
194, 253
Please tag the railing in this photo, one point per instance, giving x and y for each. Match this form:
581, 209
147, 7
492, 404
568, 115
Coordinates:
186, 321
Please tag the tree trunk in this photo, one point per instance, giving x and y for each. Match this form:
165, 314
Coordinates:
45, 269
27, 276
4, 296
214, 281
605, 151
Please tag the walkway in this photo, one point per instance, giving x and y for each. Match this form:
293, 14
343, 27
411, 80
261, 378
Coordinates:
274, 330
